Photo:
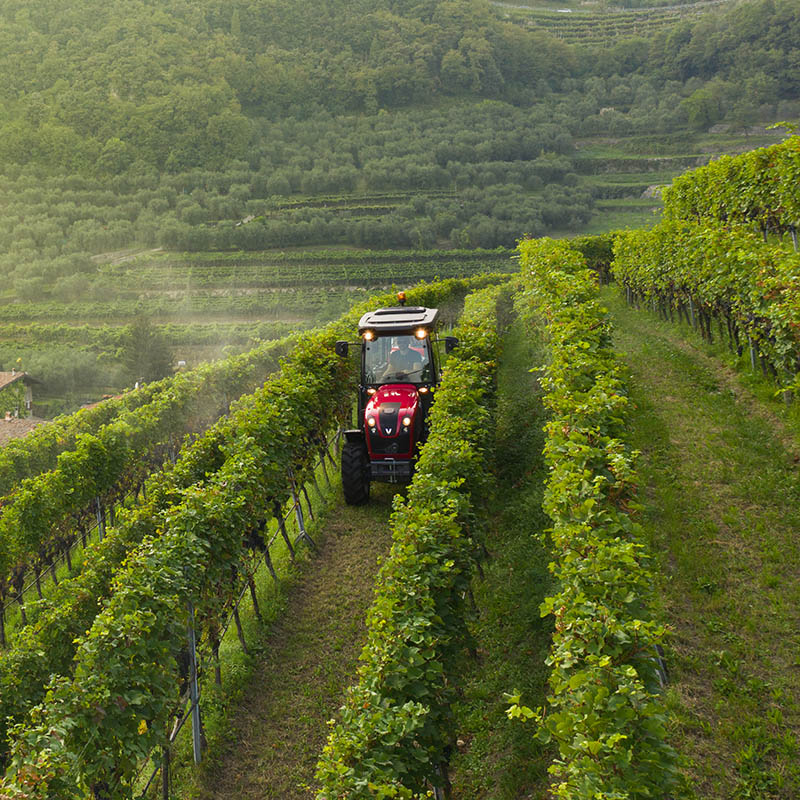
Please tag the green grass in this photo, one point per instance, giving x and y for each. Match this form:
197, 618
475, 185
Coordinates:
498, 758
722, 509
613, 219
630, 178
267, 723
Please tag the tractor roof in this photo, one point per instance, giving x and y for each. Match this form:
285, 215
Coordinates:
398, 319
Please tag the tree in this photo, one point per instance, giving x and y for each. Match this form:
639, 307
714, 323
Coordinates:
454, 72
145, 353
115, 157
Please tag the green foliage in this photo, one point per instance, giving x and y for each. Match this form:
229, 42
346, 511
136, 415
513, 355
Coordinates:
758, 187
129, 657
396, 725
217, 471
144, 351
112, 88
106, 339
605, 712
107, 86
706, 270
597, 251
52, 480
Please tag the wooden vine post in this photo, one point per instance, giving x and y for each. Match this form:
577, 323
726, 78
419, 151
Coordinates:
194, 691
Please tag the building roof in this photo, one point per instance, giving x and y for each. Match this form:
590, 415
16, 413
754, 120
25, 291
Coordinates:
15, 428
7, 378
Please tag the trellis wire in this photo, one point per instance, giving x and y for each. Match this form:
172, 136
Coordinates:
195, 705
82, 541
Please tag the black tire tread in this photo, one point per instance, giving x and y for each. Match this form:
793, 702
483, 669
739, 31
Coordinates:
355, 476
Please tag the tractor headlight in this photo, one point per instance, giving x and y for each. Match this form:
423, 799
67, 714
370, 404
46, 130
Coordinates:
406, 421
371, 422
369, 335
420, 333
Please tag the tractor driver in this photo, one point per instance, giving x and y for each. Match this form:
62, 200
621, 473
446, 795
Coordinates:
403, 361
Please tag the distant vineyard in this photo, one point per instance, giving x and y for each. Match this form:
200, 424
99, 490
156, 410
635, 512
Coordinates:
274, 270
188, 305
591, 28
207, 287
109, 337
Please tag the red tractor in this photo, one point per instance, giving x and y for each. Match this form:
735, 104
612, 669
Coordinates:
399, 374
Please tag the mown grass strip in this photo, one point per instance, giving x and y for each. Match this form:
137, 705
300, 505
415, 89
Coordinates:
266, 724
495, 758
721, 517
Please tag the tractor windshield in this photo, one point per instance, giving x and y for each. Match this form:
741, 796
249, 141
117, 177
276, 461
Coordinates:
400, 358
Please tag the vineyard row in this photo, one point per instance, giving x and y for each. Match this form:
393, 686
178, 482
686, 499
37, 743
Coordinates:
396, 727
220, 492
42, 515
605, 713
705, 272
314, 258
163, 276
111, 337
757, 187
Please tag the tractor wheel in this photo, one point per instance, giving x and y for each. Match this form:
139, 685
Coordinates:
355, 473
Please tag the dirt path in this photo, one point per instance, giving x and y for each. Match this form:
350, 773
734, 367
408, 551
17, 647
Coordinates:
722, 512
280, 728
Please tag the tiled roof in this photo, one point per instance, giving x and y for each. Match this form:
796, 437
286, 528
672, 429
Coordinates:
7, 378
16, 428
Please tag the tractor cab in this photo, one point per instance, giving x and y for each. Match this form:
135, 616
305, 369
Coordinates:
399, 375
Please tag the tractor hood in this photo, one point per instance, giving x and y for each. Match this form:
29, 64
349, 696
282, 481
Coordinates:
387, 410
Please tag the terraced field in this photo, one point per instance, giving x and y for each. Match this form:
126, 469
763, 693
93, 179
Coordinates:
589, 26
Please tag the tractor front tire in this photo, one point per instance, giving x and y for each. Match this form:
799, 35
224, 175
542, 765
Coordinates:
355, 473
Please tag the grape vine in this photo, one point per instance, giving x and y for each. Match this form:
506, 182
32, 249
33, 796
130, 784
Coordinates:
396, 725
124, 667
605, 713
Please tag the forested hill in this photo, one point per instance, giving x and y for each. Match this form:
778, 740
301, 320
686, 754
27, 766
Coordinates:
96, 85
175, 83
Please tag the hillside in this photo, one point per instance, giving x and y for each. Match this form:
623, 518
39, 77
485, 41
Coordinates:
588, 587
266, 127
100, 86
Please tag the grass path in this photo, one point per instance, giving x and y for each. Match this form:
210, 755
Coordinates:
721, 490
498, 759
310, 655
